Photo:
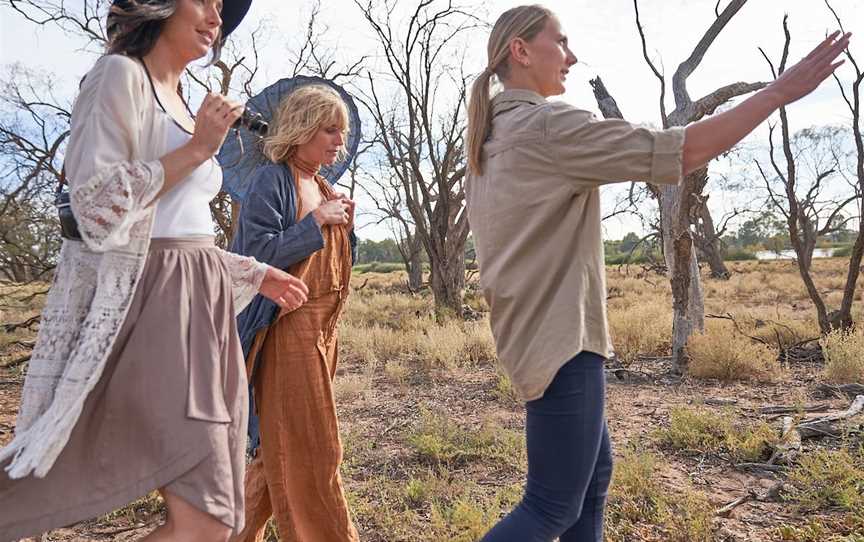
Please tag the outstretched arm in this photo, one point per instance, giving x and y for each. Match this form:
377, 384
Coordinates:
708, 138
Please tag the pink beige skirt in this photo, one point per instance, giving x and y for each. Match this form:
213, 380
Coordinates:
169, 411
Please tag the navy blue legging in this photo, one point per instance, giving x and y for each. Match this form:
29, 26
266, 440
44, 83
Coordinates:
569, 460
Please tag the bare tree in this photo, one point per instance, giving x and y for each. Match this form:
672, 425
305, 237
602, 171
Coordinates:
680, 203
33, 129
852, 98
384, 188
708, 233
810, 162
85, 21
420, 127
236, 70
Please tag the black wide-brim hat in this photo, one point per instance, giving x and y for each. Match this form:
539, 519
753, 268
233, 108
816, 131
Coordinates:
232, 13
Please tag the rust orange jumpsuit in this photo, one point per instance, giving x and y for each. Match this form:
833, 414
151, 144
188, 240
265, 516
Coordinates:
295, 476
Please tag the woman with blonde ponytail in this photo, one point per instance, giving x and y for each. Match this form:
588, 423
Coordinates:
535, 167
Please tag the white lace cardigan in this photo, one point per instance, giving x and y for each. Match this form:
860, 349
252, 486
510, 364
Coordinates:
114, 175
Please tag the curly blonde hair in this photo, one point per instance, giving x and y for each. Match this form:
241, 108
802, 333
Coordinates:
299, 116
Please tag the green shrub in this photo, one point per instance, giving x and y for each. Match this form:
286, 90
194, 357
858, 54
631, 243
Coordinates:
843, 251
705, 432
828, 479
736, 254
378, 267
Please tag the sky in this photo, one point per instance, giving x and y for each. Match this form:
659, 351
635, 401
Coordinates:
602, 34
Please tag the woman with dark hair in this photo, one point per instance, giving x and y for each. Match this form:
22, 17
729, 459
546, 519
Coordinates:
535, 167
136, 381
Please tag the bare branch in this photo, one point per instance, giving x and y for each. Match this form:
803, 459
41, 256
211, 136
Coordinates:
679, 80
654, 69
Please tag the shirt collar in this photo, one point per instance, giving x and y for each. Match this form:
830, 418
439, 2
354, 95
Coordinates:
513, 98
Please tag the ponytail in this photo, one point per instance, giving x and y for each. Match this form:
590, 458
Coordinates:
479, 120
523, 22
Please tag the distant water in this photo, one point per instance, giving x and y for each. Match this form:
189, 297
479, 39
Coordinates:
790, 254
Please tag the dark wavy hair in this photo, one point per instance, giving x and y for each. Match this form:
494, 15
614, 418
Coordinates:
133, 26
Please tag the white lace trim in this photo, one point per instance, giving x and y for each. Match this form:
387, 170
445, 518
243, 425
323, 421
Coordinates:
85, 309
112, 201
247, 274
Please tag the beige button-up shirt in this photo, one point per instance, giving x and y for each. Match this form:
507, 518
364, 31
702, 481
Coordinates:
535, 216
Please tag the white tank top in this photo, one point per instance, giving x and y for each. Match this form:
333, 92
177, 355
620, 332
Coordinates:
184, 211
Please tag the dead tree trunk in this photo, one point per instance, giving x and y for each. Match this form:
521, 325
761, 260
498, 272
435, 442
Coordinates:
677, 202
414, 264
808, 212
705, 234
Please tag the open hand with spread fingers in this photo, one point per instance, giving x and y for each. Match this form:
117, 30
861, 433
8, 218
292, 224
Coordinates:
802, 78
284, 289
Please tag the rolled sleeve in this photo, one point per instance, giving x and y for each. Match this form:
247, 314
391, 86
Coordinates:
667, 164
591, 152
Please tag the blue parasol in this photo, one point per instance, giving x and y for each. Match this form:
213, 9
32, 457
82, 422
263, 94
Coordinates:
241, 153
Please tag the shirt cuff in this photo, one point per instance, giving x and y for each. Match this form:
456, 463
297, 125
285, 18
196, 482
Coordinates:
667, 162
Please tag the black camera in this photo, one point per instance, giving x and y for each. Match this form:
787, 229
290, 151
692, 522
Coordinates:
252, 121
68, 224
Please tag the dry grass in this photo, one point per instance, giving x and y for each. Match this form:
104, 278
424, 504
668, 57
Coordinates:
723, 353
641, 330
425, 342
352, 387
433, 434
844, 356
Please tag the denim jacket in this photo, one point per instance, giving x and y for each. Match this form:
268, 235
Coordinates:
269, 231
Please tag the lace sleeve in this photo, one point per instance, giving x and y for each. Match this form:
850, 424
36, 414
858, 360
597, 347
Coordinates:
247, 273
110, 186
110, 202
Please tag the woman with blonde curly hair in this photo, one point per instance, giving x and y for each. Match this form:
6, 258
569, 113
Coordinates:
294, 220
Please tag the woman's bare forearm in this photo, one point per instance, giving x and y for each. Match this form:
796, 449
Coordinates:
711, 137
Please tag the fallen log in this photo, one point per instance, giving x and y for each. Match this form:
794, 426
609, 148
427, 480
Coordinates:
791, 409
824, 426
839, 390
720, 402
726, 510
760, 466
626, 375
16, 362
26, 324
